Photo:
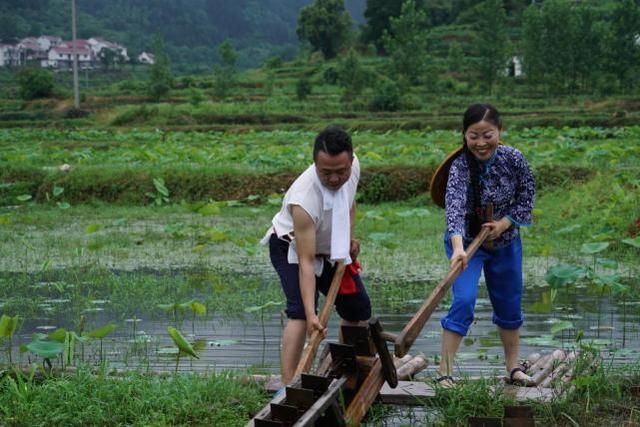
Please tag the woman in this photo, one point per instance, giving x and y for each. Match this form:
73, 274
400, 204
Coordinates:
483, 172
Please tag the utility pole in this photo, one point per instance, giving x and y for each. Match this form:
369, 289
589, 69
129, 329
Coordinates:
76, 90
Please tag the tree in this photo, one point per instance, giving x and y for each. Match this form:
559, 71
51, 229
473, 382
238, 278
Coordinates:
406, 41
35, 83
326, 25
378, 14
352, 77
622, 49
491, 43
160, 80
225, 72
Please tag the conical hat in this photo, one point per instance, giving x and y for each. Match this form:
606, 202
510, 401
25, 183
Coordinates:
438, 186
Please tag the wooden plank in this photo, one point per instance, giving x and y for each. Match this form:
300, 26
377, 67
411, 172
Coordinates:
265, 412
407, 393
365, 396
316, 410
309, 352
287, 414
388, 368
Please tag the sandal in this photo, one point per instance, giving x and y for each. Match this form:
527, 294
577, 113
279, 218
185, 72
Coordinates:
523, 382
446, 381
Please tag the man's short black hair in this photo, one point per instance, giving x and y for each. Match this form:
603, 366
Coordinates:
333, 141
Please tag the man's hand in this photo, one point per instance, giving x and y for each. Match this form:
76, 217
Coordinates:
354, 249
313, 324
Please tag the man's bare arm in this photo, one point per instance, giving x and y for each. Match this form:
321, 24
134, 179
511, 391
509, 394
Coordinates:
305, 234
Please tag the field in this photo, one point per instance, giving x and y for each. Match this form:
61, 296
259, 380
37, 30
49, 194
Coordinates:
137, 216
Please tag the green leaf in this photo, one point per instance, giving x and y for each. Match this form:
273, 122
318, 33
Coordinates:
59, 335
101, 332
46, 349
212, 208
57, 190
561, 326
197, 307
561, 274
181, 342
63, 205
161, 187
594, 248
24, 197
92, 228
635, 242
8, 325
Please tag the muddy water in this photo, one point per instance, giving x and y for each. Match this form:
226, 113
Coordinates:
253, 344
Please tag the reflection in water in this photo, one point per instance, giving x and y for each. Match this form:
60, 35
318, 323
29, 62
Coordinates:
252, 343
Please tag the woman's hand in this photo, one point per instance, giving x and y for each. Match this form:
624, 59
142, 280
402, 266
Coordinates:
459, 255
496, 228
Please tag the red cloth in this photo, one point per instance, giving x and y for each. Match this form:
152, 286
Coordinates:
348, 285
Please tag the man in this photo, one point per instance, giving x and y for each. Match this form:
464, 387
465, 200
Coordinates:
312, 231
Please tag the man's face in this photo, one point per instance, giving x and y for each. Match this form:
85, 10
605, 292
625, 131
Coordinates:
333, 171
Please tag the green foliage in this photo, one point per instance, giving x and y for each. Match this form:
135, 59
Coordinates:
303, 88
89, 398
379, 14
387, 96
407, 43
161, 196
225, 74
352, 76
325, 25
491, 43
160, 78
35, 83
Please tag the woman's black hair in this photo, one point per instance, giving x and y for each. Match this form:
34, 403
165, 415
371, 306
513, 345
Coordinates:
475, 114
332, 140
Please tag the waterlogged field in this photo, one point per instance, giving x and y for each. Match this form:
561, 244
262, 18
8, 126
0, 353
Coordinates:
86, 282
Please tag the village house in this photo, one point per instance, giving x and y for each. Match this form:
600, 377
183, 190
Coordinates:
53, 52
9, 56
146, 58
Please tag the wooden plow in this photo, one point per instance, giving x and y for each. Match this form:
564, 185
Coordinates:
354, 370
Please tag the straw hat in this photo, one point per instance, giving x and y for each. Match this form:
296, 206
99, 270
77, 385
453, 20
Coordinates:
438, 186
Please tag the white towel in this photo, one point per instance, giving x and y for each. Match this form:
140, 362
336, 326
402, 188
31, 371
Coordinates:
338, 202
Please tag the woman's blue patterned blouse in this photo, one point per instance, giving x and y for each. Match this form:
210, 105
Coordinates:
505, 179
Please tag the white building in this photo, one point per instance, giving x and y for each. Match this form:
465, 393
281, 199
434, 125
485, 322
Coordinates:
146, 58
61, 57
97, 44
9, 55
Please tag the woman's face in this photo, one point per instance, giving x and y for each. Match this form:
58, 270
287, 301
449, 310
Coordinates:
482, 139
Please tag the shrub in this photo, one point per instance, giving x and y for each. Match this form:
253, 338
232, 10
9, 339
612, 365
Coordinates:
35, 83
303, 88
388, 97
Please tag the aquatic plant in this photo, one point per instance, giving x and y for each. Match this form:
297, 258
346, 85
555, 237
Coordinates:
182, 344
8, 327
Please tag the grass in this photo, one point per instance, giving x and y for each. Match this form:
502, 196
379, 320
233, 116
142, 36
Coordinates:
82, 398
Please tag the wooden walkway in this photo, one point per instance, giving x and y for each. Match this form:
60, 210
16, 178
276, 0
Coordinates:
552, 373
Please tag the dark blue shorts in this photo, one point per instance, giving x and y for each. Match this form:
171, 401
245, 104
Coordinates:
352, 307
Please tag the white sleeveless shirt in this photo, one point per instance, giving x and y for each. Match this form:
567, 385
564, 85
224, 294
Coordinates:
306, 193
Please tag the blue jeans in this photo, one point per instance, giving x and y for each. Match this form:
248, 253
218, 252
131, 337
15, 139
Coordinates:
352, 307
503, 275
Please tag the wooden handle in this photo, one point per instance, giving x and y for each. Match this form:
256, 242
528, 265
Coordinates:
407, 337
309, 352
